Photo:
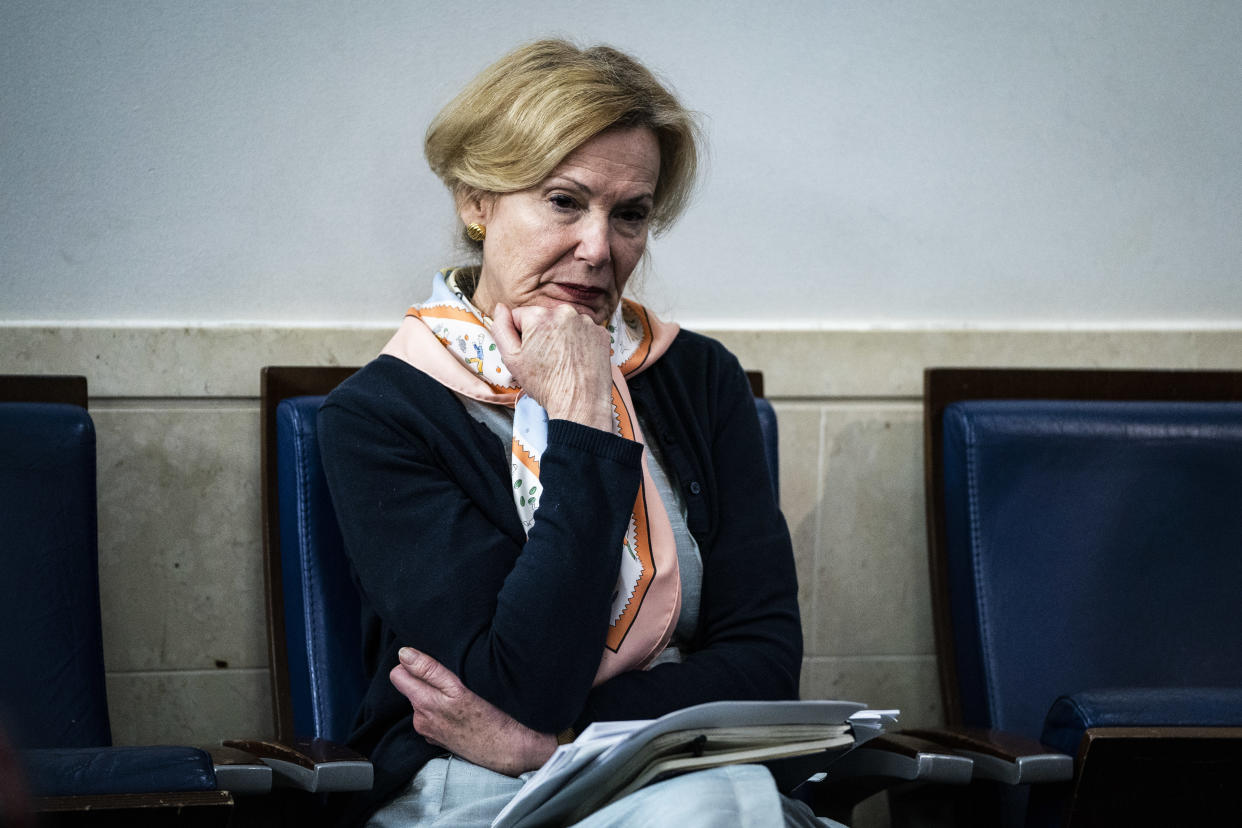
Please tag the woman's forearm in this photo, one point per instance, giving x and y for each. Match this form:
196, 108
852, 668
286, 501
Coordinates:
449, 715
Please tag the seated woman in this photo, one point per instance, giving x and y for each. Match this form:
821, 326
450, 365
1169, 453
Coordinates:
556, 505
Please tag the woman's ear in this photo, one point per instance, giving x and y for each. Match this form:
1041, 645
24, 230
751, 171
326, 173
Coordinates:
473, 206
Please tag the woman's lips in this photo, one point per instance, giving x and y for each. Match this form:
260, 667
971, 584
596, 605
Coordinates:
580, 291
581, 294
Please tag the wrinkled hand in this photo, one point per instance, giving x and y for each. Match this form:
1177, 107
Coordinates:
451, 716
561, 358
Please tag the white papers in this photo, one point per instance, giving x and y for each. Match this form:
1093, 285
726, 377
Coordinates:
868, 724
566, 761
579, 770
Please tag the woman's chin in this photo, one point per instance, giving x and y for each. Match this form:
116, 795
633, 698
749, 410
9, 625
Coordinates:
599, 314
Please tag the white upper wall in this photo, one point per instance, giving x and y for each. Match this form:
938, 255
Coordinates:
872, 163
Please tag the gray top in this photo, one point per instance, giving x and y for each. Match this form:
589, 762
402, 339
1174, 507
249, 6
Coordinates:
499, 419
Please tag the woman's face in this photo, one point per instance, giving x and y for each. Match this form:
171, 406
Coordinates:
575, 237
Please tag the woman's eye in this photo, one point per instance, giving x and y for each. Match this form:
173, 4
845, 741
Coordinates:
633, 216
561, 202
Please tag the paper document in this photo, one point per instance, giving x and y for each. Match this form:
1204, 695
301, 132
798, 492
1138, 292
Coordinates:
610, 759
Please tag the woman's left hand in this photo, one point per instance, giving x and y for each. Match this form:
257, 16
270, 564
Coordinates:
560, 358
448, 714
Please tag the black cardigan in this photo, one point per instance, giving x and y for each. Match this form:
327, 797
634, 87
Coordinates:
422, 494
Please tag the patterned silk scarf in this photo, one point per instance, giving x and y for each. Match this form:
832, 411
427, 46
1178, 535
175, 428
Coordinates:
447, 338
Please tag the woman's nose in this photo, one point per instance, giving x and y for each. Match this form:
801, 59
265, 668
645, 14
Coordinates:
594, 241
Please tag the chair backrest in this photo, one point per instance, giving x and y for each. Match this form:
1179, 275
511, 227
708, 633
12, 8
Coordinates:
768, 428
1085, 531
314, 640
769, 432
323, 642
52, 691
315, 644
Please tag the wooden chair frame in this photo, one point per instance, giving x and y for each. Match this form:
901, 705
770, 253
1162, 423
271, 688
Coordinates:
63, 388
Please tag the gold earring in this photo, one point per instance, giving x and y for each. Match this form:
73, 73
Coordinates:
476, 232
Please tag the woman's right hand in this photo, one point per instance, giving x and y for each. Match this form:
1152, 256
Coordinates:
447, 714
560, 358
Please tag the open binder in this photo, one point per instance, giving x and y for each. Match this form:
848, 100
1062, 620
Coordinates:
794, 739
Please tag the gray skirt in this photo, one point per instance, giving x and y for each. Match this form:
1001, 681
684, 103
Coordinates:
453, 792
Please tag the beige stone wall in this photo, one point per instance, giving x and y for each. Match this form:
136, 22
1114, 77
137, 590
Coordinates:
176, 412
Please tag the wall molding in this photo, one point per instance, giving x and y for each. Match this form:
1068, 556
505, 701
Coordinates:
224, 360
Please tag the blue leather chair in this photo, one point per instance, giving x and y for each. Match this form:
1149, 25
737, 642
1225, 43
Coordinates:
1085, 530
53, 701
321, 609
767, 424
314, 639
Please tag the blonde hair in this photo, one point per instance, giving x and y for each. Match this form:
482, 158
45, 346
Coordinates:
515, 122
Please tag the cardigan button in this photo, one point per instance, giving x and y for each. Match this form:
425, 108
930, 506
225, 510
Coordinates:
666, 436
695, 488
